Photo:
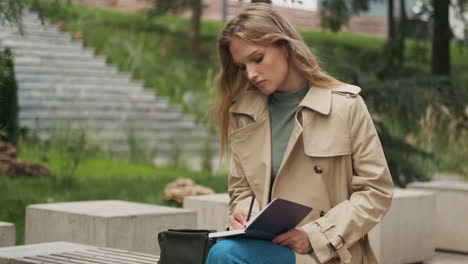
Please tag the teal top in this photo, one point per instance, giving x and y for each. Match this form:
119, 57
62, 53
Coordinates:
283, 107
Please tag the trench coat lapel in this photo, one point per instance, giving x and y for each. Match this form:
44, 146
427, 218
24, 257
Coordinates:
252, 143
317, 99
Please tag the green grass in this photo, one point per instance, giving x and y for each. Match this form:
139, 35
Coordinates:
97, 178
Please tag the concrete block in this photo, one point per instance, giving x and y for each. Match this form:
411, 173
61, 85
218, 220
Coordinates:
116, 224
406, 234
451, 222
64, 252
212, 210
7, 234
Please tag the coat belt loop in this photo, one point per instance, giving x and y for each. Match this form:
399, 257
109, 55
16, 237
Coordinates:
344, 254
341, 249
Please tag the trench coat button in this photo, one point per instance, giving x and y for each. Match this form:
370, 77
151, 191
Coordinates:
322, 213
317, 169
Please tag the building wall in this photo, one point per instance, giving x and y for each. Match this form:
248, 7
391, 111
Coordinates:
309, 19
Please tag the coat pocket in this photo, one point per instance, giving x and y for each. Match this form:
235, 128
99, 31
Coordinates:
326, 147
326, 153
325, 136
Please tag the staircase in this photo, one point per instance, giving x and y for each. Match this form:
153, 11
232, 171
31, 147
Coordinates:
63, 84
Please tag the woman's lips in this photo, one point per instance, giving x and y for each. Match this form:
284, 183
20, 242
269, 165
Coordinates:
260, 83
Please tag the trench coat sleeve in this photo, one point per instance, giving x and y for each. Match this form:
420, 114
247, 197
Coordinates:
238, 186
371, 193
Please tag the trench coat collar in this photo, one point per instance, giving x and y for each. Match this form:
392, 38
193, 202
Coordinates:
253, 102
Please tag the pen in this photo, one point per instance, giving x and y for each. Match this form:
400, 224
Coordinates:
250, 209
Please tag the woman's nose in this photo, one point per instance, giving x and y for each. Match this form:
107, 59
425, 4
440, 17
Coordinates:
251, 74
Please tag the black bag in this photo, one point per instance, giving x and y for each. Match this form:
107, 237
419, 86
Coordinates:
184, 246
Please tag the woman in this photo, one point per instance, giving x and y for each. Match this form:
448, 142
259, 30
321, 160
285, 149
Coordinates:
296, 133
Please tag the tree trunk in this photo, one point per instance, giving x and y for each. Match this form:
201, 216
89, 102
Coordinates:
391, 47
401, 33
195, 26
391, 21
441, 38
261, 1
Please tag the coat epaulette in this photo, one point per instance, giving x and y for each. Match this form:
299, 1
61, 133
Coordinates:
347, 90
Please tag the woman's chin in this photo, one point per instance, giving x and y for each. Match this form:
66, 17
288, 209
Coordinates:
266, 90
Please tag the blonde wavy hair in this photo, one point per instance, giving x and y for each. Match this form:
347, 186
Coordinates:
260, 24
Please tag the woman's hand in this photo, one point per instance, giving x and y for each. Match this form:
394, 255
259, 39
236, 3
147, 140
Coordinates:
237, 220
295, 239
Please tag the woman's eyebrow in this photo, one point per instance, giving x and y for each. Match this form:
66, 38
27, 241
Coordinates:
250, 55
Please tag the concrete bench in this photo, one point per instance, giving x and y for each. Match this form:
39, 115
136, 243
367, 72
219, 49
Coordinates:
406, 234
451, 222
64, 252
403, 236
212, 210
7, 234
115, 224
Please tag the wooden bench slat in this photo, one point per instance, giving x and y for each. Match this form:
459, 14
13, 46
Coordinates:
28, 260
125, 254
71, 259
52, 259
121, 257
91, 258
110, 258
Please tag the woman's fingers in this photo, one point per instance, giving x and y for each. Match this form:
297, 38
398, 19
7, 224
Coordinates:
237, 220
281, 238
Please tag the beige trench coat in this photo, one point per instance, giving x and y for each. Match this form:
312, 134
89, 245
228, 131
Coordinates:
334, 163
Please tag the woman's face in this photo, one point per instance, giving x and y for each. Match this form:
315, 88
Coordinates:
266, 67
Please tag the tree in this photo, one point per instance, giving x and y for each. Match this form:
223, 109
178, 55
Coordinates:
10, 11
336, 13
196, 7
395, 46
195, 25
441, 38
439, 12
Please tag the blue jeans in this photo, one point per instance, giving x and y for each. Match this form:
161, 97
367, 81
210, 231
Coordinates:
249, 251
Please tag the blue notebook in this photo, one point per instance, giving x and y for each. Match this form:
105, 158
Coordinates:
278, 217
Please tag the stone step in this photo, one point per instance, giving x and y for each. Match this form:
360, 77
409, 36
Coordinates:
23, 43
118, 106
84, 55
97, 62
161, 144
93, 125
88, 114
163, 137
52, 32
29, 26
30, 21
84, 89
68, 96
64, 40
163, 149
54, 70
115, 80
